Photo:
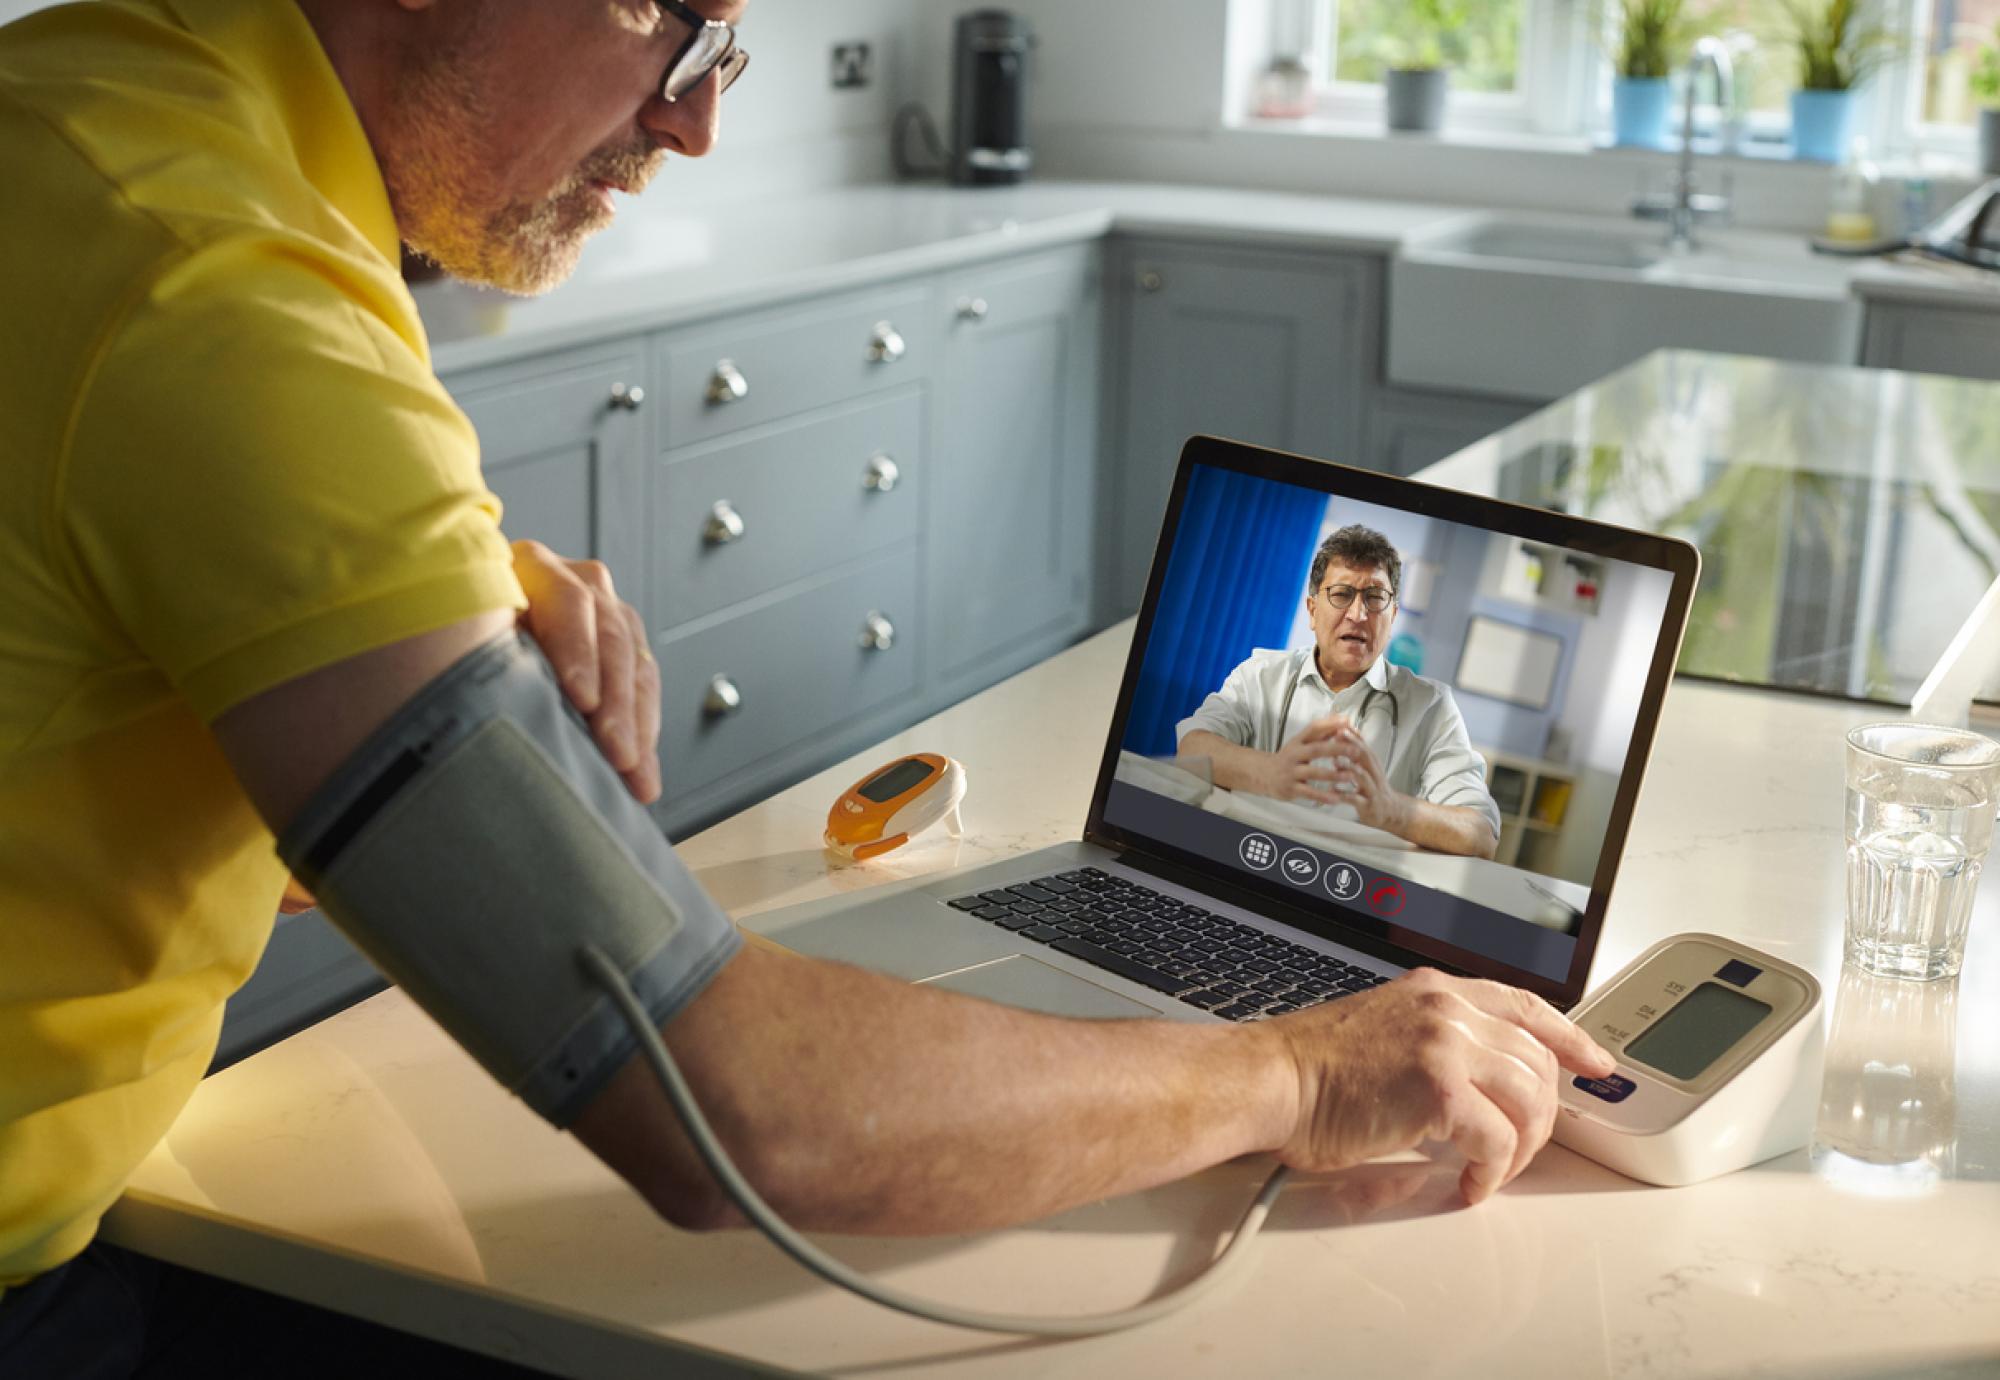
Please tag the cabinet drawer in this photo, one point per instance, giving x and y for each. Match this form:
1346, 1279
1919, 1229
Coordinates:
798, 668
791, 361
562, 442
800, 498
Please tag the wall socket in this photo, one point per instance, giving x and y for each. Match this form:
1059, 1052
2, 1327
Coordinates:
853, 66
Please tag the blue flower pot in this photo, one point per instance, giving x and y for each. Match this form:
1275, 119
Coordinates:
1822, 125
1640, 107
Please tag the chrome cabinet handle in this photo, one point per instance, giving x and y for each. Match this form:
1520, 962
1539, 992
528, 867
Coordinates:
885, 346
627, 399
881, 475
972, 308
1151, 281
726, 384
724, 524
878, 634
723, 698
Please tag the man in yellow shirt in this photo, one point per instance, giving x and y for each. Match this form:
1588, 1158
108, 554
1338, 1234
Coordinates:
241, 525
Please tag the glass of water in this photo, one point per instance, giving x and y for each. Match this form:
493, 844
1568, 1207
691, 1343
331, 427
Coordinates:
1920, 808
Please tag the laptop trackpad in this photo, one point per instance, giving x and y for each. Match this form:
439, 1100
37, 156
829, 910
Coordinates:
1036, 986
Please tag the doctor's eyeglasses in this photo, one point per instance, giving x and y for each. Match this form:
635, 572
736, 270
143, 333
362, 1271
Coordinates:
710, 47
1340, 597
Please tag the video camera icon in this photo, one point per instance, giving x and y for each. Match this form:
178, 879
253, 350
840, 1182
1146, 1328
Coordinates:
1299, 867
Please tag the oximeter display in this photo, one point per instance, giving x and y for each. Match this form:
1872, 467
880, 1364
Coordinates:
1698, 1030
896, 780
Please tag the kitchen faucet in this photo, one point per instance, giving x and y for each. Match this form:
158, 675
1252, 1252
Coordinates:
1683, 207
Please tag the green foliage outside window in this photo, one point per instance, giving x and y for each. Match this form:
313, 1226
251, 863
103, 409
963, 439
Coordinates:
1984, 83
1478, 39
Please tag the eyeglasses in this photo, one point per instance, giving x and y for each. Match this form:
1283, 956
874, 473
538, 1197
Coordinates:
710, 47
1341, 597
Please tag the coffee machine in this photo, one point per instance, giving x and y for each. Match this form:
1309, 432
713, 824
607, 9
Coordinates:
989, 109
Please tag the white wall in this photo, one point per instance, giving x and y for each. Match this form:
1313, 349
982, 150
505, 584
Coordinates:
784, 126
1144, 89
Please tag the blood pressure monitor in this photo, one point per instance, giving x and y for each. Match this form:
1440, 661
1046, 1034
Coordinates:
884, 808
1719, 1049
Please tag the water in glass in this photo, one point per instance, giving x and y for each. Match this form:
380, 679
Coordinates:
1917, 837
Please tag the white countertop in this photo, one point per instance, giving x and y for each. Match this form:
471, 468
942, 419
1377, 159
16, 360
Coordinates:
368, 1164
661, 264
658, 265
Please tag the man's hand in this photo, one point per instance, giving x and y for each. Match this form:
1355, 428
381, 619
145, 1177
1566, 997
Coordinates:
1430, 1057
597, 644
1299, 770
1354, 776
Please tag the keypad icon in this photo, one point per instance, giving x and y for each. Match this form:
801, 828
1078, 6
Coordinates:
1257, 851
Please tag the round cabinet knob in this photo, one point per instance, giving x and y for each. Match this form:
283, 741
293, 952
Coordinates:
878, 634
724, 524
627, 399
885, 346
881, 475
1151, 281
722, 698
972, 308
726, 384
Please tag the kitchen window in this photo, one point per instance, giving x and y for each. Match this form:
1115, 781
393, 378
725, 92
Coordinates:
1542, 67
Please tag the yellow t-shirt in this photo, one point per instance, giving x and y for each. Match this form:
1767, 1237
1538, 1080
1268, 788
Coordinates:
224, 462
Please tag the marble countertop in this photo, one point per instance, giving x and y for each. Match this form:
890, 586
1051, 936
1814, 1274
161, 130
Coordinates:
1927, 282
367, 1163
662, 264
1848, 519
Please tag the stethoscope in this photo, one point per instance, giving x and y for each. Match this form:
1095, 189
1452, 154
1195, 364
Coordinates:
1367, 701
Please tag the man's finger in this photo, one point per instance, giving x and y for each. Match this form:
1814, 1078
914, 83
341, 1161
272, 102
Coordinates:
616, 721
1483, 1134
1508, 1090
644, 779
562, 616
1519, 1075
1573, 1049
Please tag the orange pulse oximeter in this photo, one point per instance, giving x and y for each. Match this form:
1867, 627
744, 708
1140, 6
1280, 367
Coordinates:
884, 808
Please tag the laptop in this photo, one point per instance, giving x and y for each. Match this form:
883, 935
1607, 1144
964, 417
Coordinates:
1549, 639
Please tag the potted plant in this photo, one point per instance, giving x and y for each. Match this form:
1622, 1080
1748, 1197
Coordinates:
1652, 35
1419, 38
1839, 47
1985, 87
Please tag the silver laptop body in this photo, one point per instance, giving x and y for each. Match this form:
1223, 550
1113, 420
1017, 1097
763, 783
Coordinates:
1175, 876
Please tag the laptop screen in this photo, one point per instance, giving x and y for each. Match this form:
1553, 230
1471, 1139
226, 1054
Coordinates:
1393, 711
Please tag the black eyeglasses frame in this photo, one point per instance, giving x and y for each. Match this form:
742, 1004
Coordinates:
729, 59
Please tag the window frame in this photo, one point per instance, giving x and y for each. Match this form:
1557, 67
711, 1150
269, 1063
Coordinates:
1562, 88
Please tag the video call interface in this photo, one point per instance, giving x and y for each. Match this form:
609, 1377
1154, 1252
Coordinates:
1431, 736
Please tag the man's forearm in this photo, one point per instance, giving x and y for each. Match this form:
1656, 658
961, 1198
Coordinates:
1449, 829
858, 1103
1235, 767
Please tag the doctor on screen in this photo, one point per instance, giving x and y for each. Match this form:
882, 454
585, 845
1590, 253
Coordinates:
1334, 724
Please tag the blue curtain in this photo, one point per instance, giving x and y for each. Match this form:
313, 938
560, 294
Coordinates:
1234, 581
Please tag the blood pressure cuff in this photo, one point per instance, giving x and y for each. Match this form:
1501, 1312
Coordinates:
472, 846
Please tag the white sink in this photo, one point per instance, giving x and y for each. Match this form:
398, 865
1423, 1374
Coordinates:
1537, 306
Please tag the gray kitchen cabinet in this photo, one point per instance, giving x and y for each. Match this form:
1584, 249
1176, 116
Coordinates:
784, 512
1010, 546
1409, 429
1932, 340
560, 442
1273, 347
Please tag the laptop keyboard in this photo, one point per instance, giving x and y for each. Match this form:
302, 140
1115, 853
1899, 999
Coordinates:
1235, 970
